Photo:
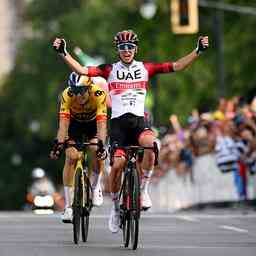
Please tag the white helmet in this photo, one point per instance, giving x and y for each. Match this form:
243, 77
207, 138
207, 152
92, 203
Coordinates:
38, 173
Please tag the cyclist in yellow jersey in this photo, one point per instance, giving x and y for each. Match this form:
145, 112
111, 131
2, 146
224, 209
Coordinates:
82, 115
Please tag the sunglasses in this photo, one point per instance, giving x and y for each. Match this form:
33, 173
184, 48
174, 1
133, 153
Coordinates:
126, 47
79, 90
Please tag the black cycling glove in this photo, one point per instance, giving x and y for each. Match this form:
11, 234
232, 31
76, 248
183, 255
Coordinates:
101, 152
62, 48
199, 46
57, 148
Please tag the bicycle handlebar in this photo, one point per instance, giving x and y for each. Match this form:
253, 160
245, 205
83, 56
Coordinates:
135, 149
83, 145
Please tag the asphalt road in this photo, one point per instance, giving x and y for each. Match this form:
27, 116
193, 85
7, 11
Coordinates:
220, 232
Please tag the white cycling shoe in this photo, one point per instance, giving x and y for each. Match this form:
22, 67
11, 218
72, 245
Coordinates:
67, 215
114, 220
97, 197
145, 200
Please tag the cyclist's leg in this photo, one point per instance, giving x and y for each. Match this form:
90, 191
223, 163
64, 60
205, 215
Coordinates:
96, 175
117, 136
116, 175
68, 175
146, 138
71, 157
97, 165
115, 183
89, 134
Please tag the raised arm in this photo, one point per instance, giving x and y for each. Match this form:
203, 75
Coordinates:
182, 63
59, 44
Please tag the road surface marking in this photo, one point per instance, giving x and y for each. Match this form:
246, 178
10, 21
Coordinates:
234, 229
188, 218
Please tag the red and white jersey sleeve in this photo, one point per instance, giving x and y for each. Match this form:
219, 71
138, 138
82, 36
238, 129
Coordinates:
128, 84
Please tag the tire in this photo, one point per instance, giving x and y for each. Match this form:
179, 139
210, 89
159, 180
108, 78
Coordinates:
77, 205
125, 218
135, 206
86, 210
126, 231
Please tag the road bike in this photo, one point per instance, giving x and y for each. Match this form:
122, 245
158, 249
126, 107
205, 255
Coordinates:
129, 195
82, 202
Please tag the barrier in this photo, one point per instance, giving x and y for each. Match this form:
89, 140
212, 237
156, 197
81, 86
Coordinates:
174, 192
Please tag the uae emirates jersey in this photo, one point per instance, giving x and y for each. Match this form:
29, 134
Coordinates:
128, 84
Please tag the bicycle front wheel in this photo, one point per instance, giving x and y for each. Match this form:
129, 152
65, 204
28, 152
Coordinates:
77, 204
135, 208
86, 209
125, 215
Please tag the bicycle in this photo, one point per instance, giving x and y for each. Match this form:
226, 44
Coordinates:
129, 195
82, 202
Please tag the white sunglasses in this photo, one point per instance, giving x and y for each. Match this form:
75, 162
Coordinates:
126, 47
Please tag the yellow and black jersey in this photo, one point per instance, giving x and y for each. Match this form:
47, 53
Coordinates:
94, 107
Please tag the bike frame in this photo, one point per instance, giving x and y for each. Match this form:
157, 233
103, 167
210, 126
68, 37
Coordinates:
81, 165
82, 203
131, 208
130, 166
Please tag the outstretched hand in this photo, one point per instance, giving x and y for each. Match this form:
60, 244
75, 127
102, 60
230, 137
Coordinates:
202, 44
60, 46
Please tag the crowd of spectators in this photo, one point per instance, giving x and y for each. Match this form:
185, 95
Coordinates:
227, 132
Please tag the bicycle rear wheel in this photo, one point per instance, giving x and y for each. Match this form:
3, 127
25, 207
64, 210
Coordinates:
77, 204
87, 208
134, 188
125, 218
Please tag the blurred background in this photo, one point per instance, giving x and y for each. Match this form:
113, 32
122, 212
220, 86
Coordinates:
193, 112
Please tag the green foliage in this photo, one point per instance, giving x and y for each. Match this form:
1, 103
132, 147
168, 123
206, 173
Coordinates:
31, 90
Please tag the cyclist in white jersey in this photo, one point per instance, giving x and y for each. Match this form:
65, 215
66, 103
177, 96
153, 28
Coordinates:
128, 83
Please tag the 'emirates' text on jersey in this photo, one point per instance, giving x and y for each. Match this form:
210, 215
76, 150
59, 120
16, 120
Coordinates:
128, 84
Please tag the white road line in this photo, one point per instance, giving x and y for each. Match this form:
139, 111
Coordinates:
234, 229
188, 218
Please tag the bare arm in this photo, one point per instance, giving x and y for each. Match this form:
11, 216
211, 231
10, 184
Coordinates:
63, 129
61, 136
59, 44
185, 61
75, 65
102, 130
